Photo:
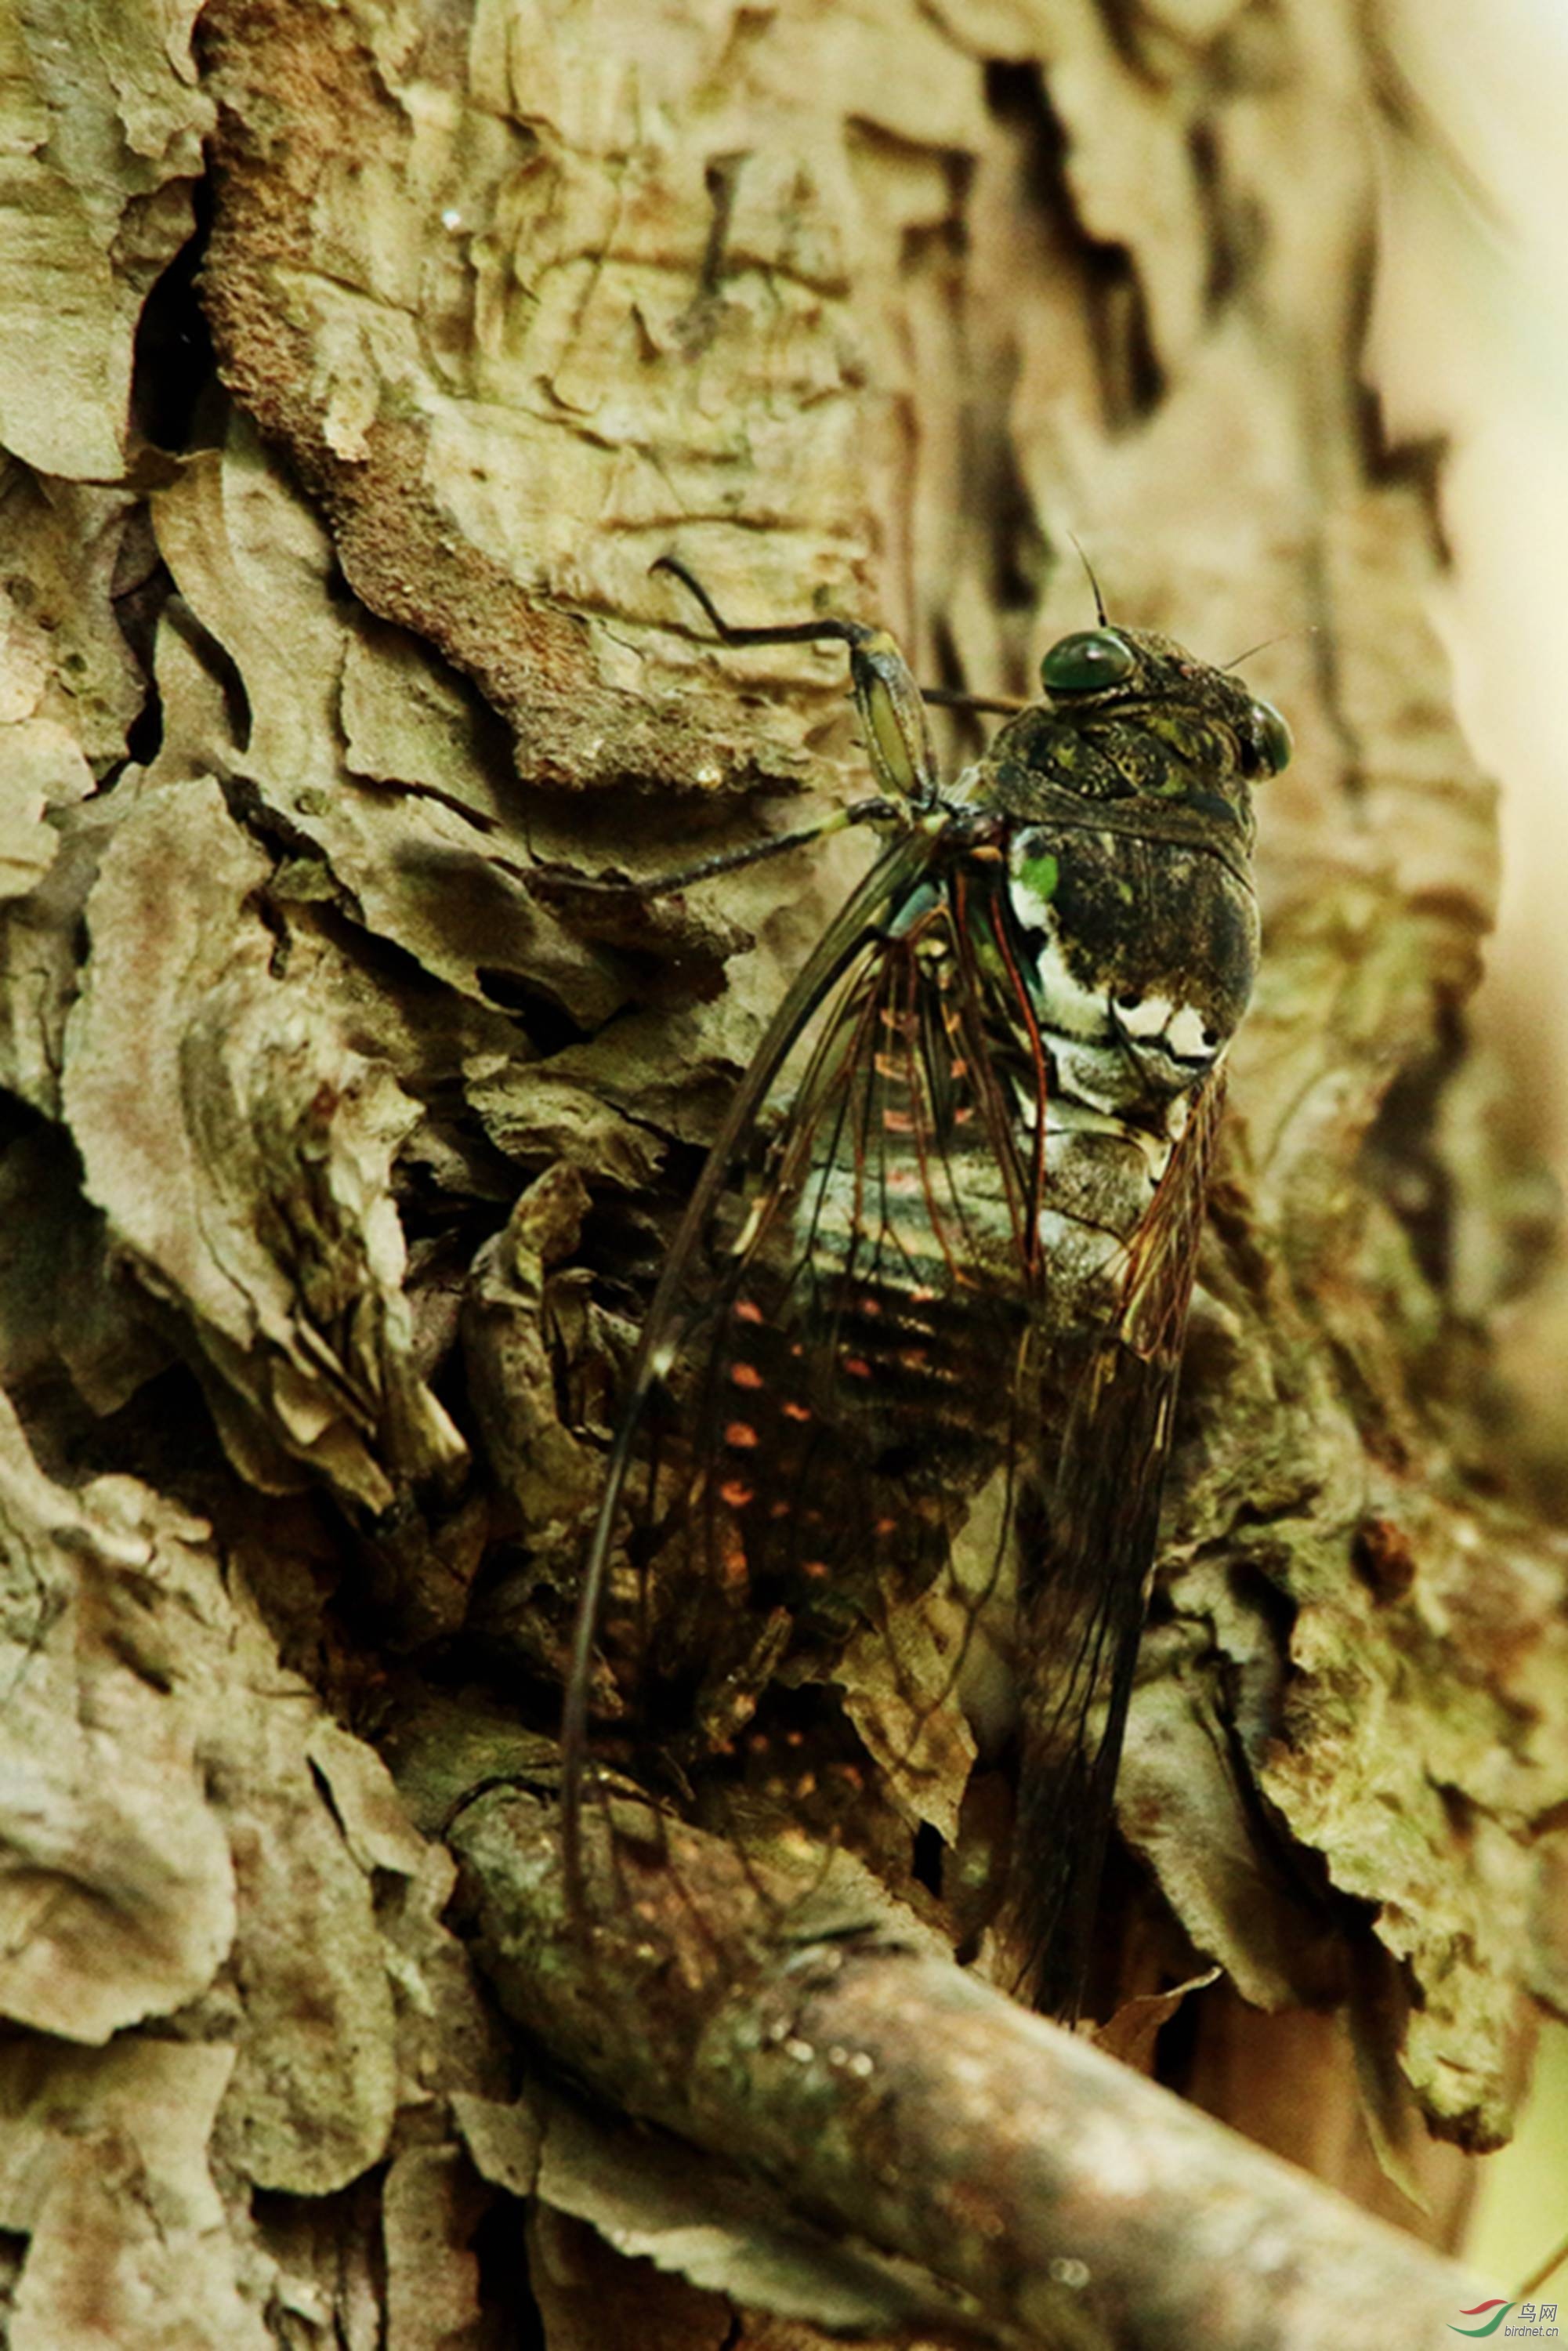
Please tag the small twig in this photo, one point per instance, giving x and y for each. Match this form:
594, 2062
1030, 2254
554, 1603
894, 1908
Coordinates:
887, 2092
1538, 2276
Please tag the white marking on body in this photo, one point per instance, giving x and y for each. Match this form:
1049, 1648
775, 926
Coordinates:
1186, 1035
1149, 1018
1156, 1150
1065, 1115
1065, 1004
752, 1226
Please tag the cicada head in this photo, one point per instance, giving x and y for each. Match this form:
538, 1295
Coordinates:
1127, 709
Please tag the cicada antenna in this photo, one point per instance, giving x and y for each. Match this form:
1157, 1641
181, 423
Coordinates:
1307, 629
1094, 584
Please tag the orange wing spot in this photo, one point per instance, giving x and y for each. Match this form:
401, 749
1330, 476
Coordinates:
852, 1774
745, 1375
914, 1359
857, 1367
746, 1309
866, 1305
958, 1067
817, 1568
794, 1738
778, 1510
885, 1527
737, 1493
740, 1436
734, 1570
964, 1115
797, 1412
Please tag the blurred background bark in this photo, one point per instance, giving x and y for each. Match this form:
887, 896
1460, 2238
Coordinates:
359, 361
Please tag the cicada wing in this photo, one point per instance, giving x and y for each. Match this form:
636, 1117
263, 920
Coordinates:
679, 1306
1083, 1612
830, 1437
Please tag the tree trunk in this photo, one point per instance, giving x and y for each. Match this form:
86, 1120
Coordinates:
343, 1134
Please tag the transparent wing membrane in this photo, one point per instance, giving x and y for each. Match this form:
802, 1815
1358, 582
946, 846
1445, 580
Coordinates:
1079, 1621
839, 1368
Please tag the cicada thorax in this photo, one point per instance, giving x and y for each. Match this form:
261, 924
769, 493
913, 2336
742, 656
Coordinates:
1130, 876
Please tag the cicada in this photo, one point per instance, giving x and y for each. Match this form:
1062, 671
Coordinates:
882, 1512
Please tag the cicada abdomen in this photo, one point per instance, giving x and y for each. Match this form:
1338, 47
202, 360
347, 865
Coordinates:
882, 1510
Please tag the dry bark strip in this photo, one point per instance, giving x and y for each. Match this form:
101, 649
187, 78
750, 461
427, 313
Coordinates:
892, 2097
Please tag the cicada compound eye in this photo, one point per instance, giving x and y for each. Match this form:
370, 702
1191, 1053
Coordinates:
1265, 742
1087, 661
